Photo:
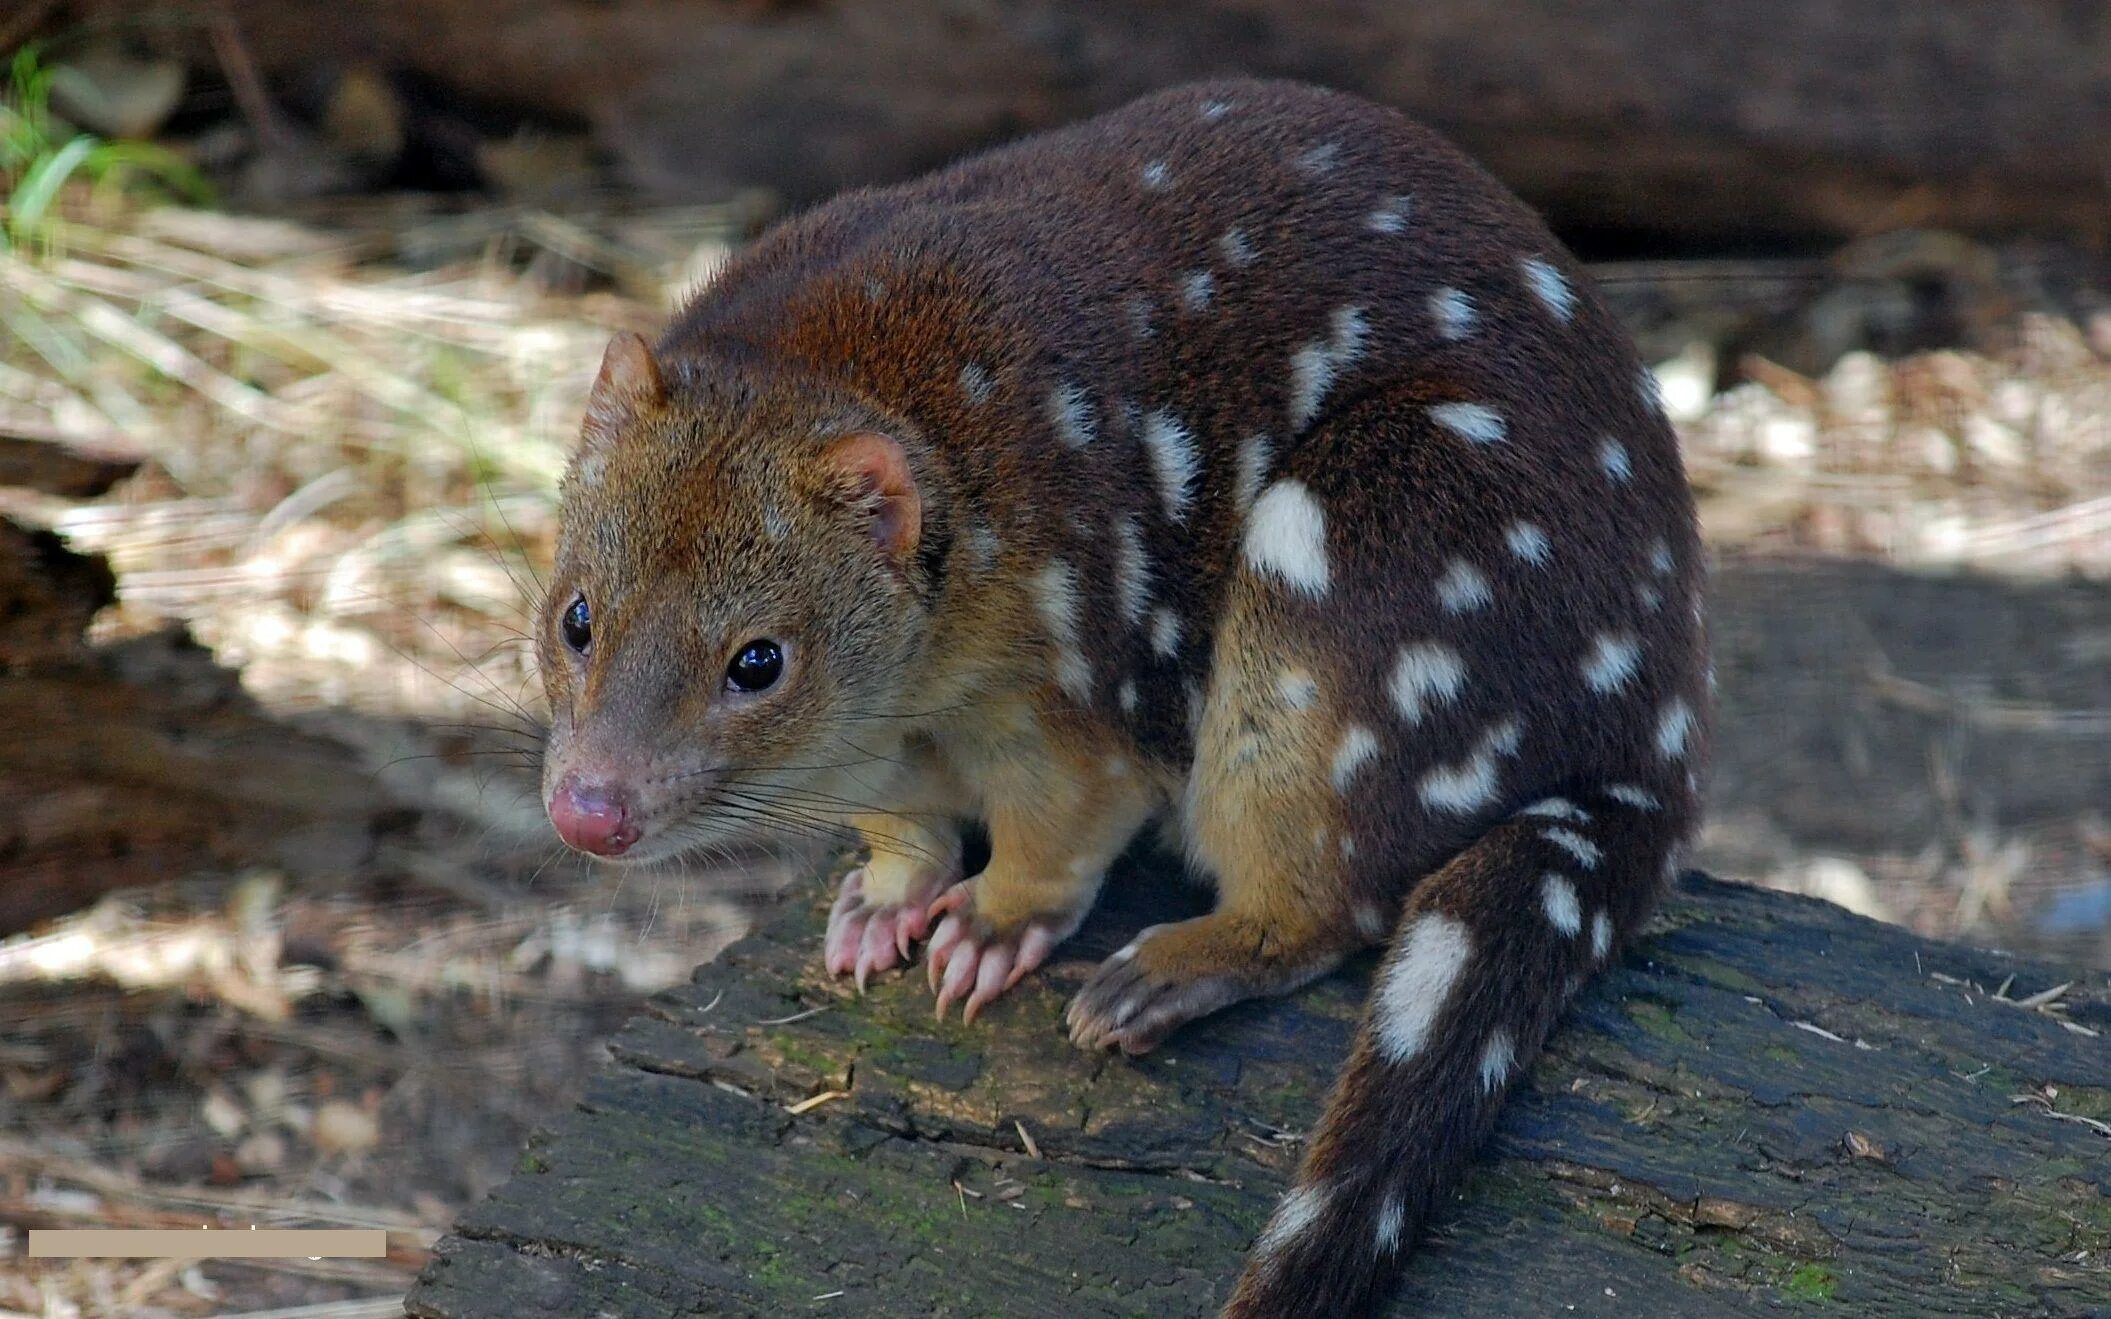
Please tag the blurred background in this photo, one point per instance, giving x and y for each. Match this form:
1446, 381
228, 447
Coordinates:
299, 300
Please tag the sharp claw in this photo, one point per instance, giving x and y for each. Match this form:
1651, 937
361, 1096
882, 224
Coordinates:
951, 900
940, 951
960, 970
1034, 948
876, 950
992, 978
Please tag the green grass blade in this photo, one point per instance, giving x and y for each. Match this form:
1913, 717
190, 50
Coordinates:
40, 185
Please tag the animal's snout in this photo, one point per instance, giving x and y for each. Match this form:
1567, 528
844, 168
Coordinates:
593, 816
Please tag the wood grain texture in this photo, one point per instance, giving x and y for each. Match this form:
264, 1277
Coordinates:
1770, 1102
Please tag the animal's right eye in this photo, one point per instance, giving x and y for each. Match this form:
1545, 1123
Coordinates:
577, 625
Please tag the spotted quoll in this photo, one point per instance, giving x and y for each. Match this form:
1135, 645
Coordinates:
1246, 459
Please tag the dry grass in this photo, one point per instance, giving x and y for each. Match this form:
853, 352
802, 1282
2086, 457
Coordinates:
1938, 460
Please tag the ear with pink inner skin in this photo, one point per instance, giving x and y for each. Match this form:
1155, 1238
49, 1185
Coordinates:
870, 471
628, 387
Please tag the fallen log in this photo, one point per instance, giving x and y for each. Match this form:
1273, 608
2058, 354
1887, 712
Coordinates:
143, 760
1769, 1101
1712, 123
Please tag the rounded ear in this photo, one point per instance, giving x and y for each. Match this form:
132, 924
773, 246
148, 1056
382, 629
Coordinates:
628, 387
870, 472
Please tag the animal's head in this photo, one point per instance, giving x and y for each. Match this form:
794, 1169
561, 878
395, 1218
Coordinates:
736, 612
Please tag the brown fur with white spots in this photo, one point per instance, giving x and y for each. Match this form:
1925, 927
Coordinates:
1245, 457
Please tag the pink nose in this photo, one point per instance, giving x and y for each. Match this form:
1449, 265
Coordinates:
592, 817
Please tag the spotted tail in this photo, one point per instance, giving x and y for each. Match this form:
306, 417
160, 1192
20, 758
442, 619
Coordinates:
1487, 953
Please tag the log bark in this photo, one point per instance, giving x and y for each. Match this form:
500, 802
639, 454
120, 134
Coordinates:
137, 761
1771, 1101
1715, 122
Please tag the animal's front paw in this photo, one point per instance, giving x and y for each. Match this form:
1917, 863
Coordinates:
969, 954
868, 934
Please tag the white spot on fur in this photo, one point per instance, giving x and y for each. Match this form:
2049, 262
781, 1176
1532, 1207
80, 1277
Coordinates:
1471, 785
1463, 588
1132, 572
1454, 313
1137, 308
1391, 1218
1123, 953
1576, 845
1320, 159
1165, 632
1416, 983
1558, 808
1194, 705
1254, 453
775, 524
1370, 920
1612, 662
1650, 597
1297, 1212
1528, 542
1126, 695
1314, 367
1558, 898
1173, 459
1660, 557
975, 382
1287, 537
1601, 935
1156, 176
1612, 456
1390, 217
1070, 412
1474, 422
1195, 290
983, 547
1117, 767
1551, 286
1297, 689
1674, 727
1359, 746
1629, 794
1426, 674
1496, 1060
1233, 244
875, 290
1214, 110
1348, 847
1055, 592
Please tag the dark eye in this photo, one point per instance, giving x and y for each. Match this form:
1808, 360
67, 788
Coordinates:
757, 667
577, 625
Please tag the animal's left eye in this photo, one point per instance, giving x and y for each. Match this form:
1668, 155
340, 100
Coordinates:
757, 667
577, 625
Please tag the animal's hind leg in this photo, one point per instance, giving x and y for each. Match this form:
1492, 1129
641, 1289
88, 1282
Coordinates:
1264, 813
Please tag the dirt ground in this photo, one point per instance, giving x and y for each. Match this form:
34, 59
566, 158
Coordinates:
1912, 631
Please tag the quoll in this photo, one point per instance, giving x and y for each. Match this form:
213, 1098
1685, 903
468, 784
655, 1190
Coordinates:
1245, 459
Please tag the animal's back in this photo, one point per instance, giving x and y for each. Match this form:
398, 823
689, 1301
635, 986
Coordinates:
1140, 319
